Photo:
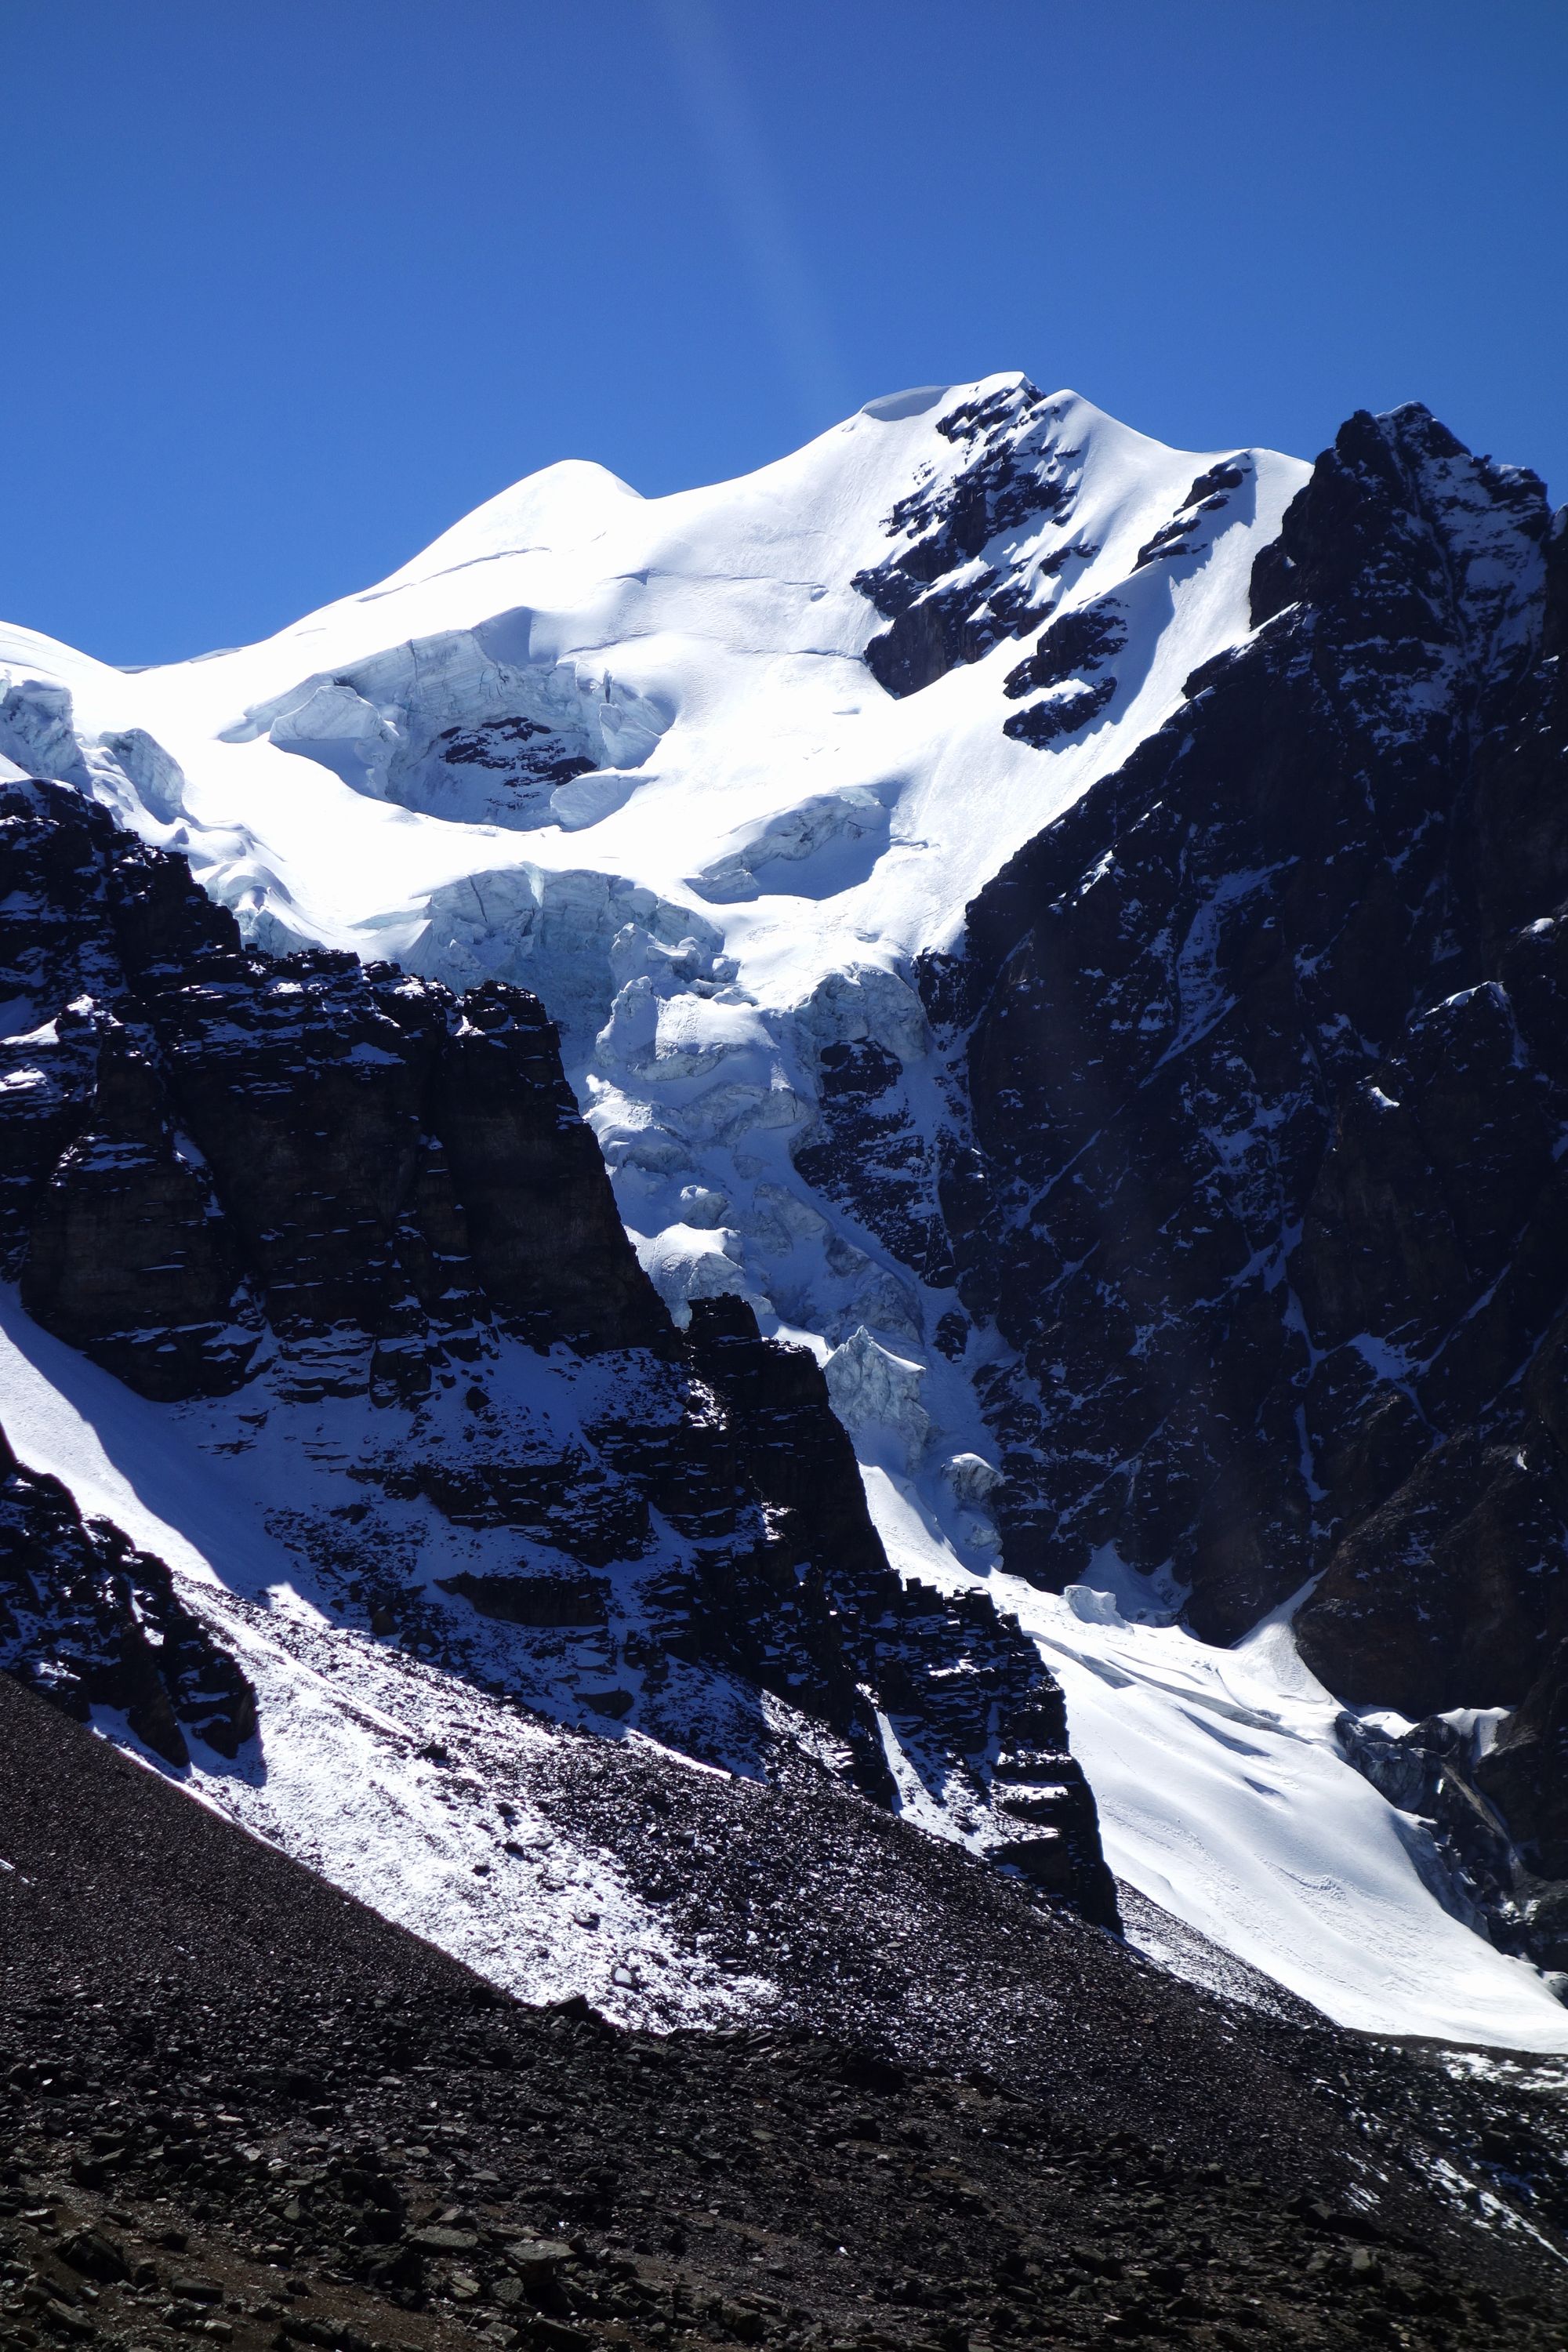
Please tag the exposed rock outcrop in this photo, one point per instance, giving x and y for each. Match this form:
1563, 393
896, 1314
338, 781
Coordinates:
88, 1621
964, 577
385, 1162
547, 1243
818, 1606
129, 1255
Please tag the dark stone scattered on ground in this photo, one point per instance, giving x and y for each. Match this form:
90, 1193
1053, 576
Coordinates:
237, 2106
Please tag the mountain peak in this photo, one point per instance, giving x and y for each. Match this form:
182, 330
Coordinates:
1128, 1109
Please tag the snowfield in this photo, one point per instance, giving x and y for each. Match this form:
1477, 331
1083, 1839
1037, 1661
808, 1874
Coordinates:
629, 753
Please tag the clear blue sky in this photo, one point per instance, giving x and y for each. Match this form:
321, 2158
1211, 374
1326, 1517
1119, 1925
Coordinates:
292, 284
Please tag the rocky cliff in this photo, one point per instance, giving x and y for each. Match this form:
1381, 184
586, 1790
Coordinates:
307, 1186
1260, 1054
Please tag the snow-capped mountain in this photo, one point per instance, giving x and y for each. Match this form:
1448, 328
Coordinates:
914, 843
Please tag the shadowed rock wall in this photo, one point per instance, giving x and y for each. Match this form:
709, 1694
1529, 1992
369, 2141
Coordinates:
1264, 1050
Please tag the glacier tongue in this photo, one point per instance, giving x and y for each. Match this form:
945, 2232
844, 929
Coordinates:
708, 772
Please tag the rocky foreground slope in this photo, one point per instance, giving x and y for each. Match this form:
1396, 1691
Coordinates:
240, 2108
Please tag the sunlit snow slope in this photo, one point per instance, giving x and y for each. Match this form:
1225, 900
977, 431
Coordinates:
631, 753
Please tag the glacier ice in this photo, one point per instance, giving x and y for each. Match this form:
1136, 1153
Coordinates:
464, 725
874, 1391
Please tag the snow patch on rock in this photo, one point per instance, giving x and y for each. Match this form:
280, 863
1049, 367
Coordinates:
695, 1261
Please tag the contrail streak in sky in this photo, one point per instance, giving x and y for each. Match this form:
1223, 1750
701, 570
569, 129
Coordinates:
759, 217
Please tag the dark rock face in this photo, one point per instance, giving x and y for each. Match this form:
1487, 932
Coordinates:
1069, 664
1441, 1597
547, 1243
967, 571
129, 1255
817, 1614
385, 1164
90, 1622
821, 1572
958, 584
219, 1167
1263, 1044
1526, 1779
867, 1152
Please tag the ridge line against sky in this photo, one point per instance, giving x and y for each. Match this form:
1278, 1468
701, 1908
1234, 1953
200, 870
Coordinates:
299, 287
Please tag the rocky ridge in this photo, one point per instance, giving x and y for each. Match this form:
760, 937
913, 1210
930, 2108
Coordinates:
313, 1185
1256, 1169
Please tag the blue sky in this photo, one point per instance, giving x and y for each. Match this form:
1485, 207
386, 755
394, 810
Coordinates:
294, 283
